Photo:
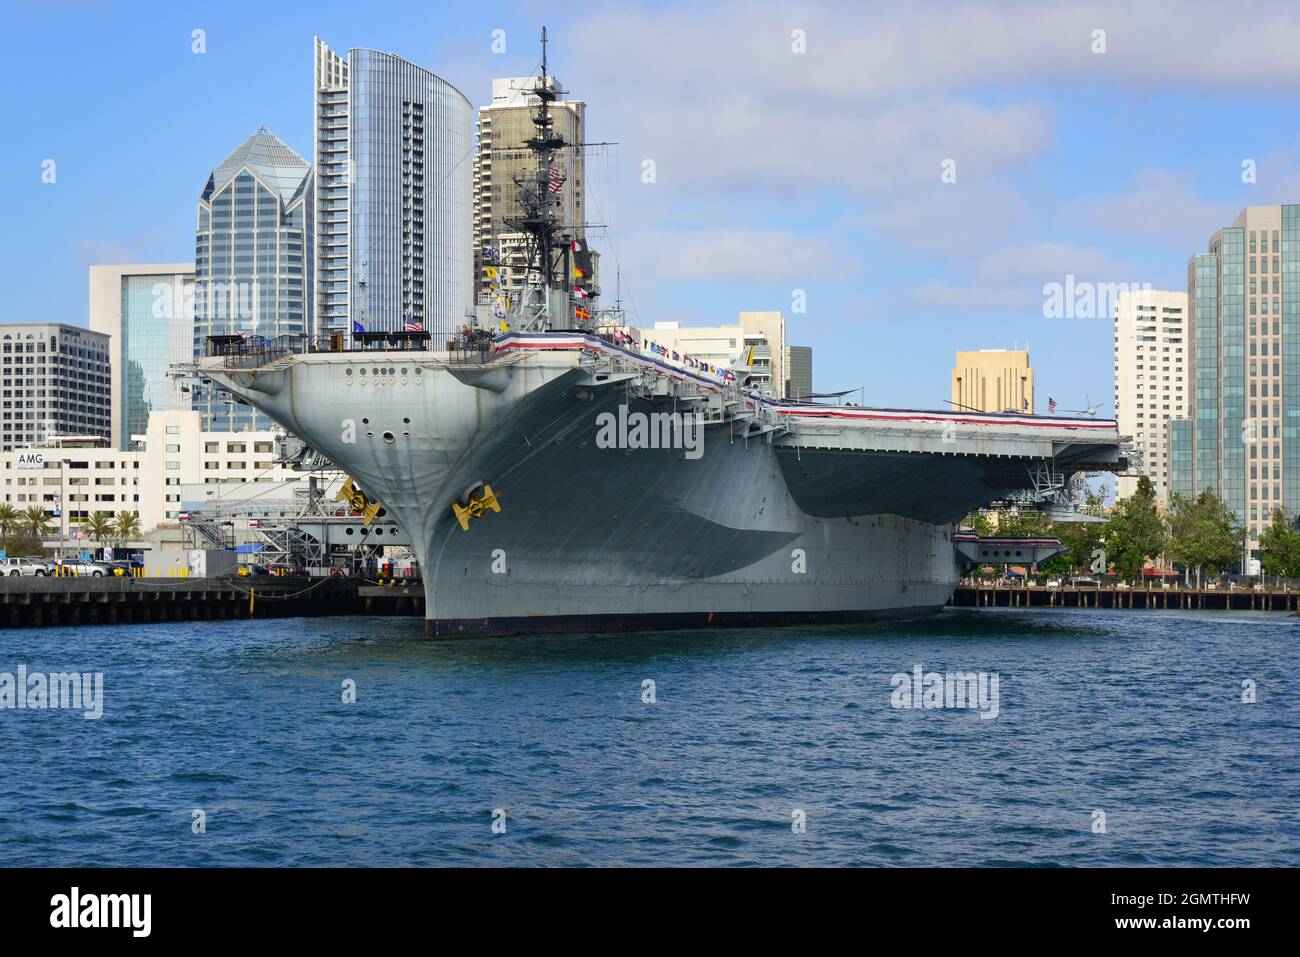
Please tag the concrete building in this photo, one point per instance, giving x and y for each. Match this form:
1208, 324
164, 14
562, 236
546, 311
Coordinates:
502, 157
756, 340
250, 255
147, 312
72, 478
798, 372
993, 380
1151, 388
393, 226
1241, 436
55, 379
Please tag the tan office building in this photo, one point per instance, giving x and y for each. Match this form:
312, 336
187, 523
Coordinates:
502, 155
993, 380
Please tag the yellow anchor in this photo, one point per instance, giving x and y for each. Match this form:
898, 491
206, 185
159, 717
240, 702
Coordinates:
477, 504
357, 500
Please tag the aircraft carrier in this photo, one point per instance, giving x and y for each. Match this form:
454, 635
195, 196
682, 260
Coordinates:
557, 471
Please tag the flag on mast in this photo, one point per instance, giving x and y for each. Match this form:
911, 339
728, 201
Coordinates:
582, 267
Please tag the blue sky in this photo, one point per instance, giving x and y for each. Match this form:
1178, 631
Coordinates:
775, 170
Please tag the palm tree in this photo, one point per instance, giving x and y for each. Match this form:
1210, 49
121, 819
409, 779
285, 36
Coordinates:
9, 519
34, 521
99, 526
127, 525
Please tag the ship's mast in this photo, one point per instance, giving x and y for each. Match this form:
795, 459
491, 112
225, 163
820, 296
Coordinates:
539, 201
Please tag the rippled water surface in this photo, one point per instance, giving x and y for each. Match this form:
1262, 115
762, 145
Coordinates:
1138, 715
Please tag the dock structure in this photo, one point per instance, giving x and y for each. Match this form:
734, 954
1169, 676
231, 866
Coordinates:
58, 602
1138, 599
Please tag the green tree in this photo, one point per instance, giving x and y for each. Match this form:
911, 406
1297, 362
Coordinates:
1081, 539
1023, 523
34, 521
99, 526
979, 523
127, 525
9, 520
1203, 533
1135, 531
1279, 548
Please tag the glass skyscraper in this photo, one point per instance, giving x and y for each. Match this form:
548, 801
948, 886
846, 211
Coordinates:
251, 253
1242, 437
147, 311
395, 167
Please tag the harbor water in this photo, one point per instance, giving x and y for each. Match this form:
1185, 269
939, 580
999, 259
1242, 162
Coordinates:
1115, 738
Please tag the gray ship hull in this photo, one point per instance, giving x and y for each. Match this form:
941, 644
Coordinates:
612, 539
758, 525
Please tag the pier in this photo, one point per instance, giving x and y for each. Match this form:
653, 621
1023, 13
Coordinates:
1107, 596
59, 602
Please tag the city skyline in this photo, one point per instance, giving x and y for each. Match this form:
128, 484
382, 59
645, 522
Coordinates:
877, 241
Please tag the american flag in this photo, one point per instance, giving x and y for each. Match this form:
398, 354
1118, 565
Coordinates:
1051, 404
413, 325
556, 180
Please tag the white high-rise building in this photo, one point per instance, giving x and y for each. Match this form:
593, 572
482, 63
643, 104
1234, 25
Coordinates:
56, 381
1151, 381
393, 223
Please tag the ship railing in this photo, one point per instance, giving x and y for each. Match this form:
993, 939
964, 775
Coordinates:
474, 347
384, 340
250, 352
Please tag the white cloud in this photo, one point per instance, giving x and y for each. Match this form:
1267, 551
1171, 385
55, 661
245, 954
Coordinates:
755, 255
952, 218
1011, 279
1158, 203
972, 298
874, 52
1043, 262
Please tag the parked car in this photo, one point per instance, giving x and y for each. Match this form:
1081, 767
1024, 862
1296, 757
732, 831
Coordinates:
25, 566
81, 568
1085, 581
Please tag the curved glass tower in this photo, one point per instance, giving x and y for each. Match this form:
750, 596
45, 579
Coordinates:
405, 178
